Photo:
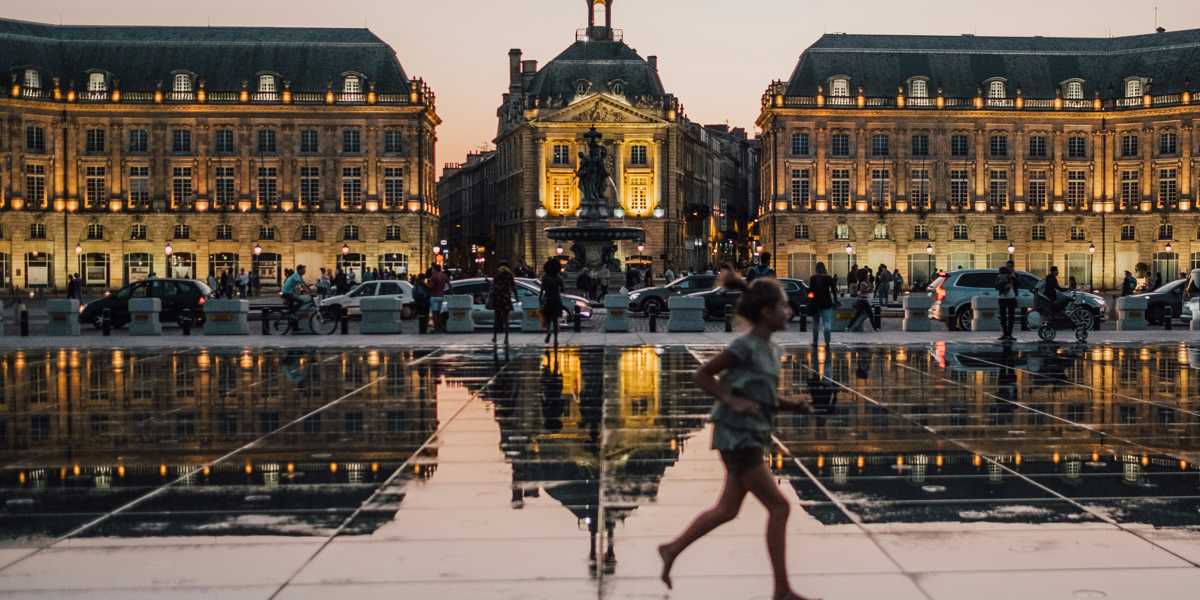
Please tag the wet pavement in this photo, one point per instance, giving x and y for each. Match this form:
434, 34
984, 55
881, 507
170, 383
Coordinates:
1041, 471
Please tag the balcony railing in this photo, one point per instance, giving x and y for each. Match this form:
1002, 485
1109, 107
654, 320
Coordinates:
774, 97
420, 95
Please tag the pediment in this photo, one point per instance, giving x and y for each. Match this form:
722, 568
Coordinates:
598, 109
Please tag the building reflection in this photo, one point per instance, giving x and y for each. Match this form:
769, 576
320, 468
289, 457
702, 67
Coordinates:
595, 415
110, 426
1115, 426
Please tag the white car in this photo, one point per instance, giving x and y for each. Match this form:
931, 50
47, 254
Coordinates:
351, 300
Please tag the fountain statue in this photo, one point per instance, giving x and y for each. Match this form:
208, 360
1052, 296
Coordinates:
593, 239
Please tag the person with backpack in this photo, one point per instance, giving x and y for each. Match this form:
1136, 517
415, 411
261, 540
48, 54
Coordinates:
1006, 290
1128, 285
762, 269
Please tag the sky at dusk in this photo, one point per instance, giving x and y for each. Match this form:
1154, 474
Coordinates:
716, 56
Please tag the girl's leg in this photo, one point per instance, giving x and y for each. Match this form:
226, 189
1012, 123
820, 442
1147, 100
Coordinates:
722, 512
758, 481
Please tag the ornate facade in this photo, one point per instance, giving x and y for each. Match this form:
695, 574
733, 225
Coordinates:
944, 152
598, 81
187, 151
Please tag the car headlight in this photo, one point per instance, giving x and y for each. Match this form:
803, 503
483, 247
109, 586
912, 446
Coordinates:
635, 295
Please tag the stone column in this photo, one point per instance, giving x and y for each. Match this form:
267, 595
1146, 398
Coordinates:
1185, 167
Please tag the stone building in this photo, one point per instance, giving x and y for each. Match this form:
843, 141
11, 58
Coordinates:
184, 151
467, 195
655, 164
939, 152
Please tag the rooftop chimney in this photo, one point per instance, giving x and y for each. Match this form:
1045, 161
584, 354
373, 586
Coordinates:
653, 60
514, 70
1159, 30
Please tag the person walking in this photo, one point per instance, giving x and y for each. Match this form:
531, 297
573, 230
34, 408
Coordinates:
341, 284
323, 284
743, 420
1128, 284
212, 284
1157, 282
897, 284
437, 294
243, 283
762, 269
862, 304
1006, 292
501, 301
669, 274
255, 283
551, 298
421, 300
883, 284
648, 280
820, 306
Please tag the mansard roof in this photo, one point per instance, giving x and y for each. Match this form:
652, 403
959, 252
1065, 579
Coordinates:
140, 57
601, 64
961, 64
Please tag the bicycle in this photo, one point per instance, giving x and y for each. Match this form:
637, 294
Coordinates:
321, 320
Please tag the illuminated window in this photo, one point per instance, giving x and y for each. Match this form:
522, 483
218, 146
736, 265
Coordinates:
352, 84
32, 79
881, 231
918, 88
1038, 233
961, 232
918, 192
800, 144
1074, 90
137, 231
1131, 188
266, 84
996, 90
224, 193
960, 188
352, 190
181, 187
1168, 187
639, 195
998, 188
801, 188
95, 188
560, 198
97, 82
1133, 88
637, 155
182, 83
841, 232
839, 87
1036, 195
561, 154
139, 187
839, 189
393, 188
1076, 189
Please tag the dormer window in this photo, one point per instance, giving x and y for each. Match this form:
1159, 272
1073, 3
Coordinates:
182, 83
1133, 88
97, 82
352, 84
839, 87
1073, 90
918, 88
996, 90
33, 79
266, 84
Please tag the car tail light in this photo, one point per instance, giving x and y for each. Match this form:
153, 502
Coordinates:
940, 293
203, 300
811, 295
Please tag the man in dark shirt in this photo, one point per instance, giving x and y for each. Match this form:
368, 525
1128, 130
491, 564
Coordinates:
1051, 288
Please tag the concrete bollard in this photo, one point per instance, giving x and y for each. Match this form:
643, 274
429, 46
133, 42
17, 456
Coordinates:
842, 313
1194, 307
687, 314
5, 322
144, 316
617, 306
985, 313
381, 315
531, 314
460, 318
916, 312
227, 317
64, 317
1131, 313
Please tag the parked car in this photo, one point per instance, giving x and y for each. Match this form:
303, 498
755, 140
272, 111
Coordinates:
952, 296
479, 288
647, 299
1170, 296
352, 300
718, 300
175, 295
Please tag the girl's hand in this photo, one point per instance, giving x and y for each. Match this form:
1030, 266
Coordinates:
742, 406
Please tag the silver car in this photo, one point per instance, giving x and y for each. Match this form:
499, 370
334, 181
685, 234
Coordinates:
479, 288
352, 299
952, 297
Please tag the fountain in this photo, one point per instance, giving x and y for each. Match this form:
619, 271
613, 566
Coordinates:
593, 239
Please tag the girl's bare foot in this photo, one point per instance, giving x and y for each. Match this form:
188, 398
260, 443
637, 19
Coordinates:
668, 558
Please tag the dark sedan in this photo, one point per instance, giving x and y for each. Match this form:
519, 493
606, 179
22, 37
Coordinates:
175, 295
1168, 297
655, 298
719, 300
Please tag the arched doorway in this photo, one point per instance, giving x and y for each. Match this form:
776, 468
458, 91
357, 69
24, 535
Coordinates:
39, 269
182, 265
352, 264
222, 262
94, 269
268, 265
138, 266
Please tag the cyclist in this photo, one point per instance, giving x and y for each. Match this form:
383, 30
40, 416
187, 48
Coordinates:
292, 288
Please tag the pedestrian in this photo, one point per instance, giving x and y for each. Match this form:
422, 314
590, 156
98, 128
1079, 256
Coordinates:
243, 283
255, 283
437, 294
743, 419
501, 301
551, 298
762, 269
883, 283
852, 278
1129, 284
648, 280
862, 304
583, 283
226, 285
323, 284
421, 300
1192, 287
1006, 291
820, 307
631, 279
897, 284
1157, 281
669, 274
340, 284
212, 284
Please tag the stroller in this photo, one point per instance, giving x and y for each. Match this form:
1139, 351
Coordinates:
1073, 314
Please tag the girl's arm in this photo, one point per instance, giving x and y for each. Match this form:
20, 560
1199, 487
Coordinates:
706, 378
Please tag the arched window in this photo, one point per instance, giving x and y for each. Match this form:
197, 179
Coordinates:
95, 231
996, 90
352, 84
266, 232
1074, 90
224, 232
918, 88
33, 79
1078, 234
392, 233
182, 232
97, 82
266, 84
1133, 88
182, 83
350, 232
308, 233
839, 87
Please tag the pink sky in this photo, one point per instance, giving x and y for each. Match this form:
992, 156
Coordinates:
716, 56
